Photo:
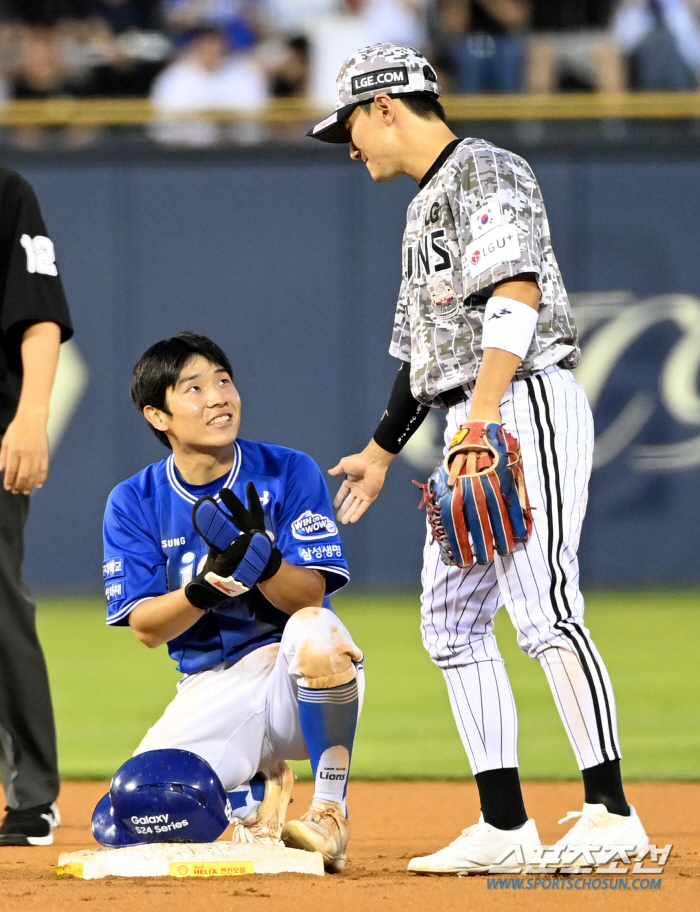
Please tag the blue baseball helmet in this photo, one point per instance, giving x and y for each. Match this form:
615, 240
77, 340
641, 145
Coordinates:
162, 796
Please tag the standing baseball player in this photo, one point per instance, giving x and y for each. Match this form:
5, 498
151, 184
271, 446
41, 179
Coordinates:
34, 320
484, 330
271, 673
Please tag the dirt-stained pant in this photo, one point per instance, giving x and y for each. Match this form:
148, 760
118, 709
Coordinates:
244, 718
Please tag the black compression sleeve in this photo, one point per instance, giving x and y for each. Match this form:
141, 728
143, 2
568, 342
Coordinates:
403, 415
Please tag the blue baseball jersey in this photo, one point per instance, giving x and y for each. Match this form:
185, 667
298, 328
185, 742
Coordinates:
152, 548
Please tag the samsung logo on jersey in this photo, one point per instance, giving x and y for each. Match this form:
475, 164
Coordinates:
172, 542
392, 76
310, 526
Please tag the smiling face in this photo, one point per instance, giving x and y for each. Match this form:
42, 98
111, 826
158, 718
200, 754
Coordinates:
204, 408
374, 139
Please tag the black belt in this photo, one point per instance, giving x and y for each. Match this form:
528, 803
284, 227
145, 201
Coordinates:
453, 397
461, 394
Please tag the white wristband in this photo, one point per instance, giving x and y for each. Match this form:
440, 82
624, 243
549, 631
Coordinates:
508, 325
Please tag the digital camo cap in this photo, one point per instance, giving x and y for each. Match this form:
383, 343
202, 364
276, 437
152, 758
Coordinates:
388, 69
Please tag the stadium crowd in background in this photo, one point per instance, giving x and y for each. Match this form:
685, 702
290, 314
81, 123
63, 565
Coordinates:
237, 54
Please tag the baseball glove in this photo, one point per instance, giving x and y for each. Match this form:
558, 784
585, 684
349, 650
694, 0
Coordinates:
476, 499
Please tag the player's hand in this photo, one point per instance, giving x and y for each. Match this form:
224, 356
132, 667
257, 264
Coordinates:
24, 455
220, 578
364, 478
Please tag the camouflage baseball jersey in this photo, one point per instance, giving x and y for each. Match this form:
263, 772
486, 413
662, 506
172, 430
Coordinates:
480, 219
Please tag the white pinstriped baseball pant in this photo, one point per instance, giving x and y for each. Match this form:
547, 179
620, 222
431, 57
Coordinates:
538, 584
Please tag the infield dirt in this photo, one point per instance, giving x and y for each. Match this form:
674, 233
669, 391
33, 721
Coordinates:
392, 821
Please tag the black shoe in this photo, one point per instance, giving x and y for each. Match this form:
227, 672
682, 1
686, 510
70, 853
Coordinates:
30, 827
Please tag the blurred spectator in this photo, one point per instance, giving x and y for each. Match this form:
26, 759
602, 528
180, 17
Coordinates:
85, 47
572, 48
121, 61
120, 15
41, 70
662, 41
207, 77
44, 12
485, 42
293, 17
290, 74
131, 67
8, 48
125, 15
351, 25
400, 20
243, 51
240, 20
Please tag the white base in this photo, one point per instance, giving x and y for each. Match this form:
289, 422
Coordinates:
208, 859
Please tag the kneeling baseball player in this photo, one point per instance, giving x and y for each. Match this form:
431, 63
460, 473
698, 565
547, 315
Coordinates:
226, 551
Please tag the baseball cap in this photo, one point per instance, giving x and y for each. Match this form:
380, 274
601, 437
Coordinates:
387, 69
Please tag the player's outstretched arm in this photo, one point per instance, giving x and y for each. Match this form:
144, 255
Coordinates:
365, 471
364, 478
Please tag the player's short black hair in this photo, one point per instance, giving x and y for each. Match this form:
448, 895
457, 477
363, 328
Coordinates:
422, 104
159, 368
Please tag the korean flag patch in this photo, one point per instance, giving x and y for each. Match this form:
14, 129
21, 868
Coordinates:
486, 219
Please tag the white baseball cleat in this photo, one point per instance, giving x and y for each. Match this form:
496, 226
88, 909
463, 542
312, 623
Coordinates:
264, 826
323, 828
478, 847
596, 829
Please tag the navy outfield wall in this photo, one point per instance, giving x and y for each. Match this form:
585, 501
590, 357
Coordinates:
291, 261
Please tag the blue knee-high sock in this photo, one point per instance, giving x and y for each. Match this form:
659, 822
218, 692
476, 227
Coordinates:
328, 721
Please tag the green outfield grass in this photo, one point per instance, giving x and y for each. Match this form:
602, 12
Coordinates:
108, 689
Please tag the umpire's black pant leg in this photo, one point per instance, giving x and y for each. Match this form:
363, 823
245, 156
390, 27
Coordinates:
28, 763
